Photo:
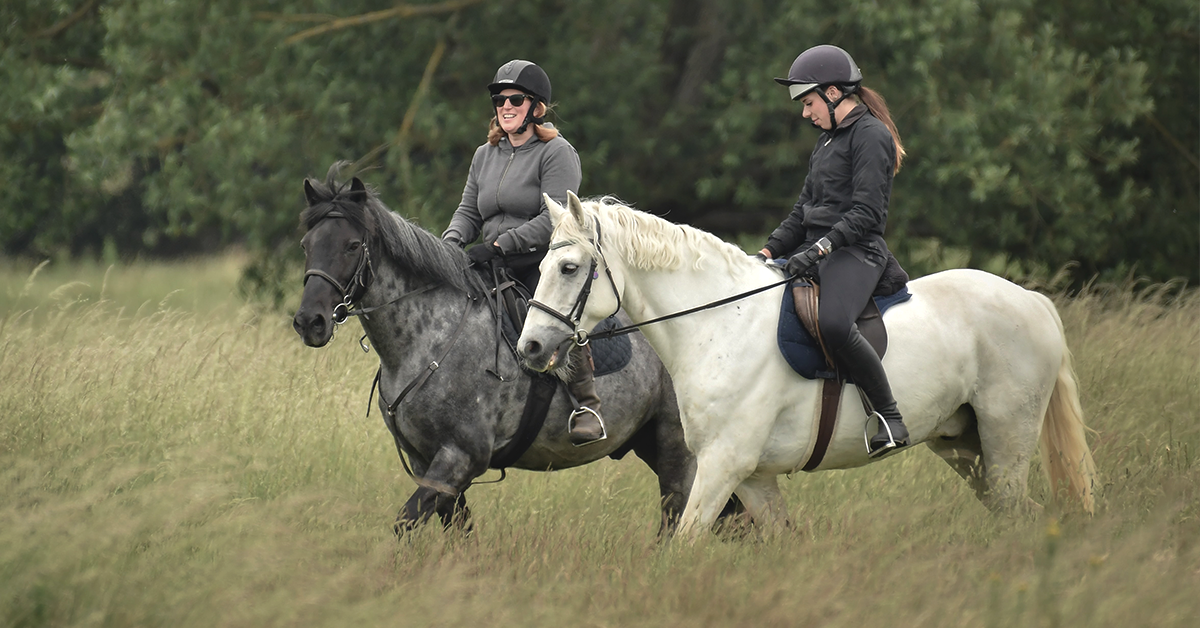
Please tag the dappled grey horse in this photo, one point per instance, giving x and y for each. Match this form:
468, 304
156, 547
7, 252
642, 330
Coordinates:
426, 314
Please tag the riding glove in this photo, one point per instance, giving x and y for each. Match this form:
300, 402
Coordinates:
483, 253
453, 241
802, 262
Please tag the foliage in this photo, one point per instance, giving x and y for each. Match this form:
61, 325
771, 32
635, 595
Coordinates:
1038, 134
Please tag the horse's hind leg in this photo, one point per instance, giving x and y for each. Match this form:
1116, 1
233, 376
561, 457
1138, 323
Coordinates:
1009, 424
663, 450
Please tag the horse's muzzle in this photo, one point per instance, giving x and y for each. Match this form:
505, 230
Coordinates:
541, 357
315, 328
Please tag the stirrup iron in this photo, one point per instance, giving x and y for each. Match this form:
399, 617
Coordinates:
891, 444
571, 420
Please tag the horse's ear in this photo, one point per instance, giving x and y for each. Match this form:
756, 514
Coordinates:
557, 212
358, 191
576, 208
310, 195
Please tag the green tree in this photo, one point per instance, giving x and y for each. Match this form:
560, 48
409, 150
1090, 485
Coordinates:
1037, 134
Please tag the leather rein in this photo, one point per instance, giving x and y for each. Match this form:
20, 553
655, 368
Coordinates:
572, 318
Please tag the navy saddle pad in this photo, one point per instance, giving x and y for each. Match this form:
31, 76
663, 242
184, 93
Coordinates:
800, 349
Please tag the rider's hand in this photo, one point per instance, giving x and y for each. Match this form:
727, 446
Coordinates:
453, 241
763, 256
483, 253
802, 262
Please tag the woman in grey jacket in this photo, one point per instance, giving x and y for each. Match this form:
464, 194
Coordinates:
502, 205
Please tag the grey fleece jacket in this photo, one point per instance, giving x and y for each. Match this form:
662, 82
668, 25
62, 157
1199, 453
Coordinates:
502, 200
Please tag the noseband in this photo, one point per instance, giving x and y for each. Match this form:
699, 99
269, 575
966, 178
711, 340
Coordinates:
571, 319
355, 288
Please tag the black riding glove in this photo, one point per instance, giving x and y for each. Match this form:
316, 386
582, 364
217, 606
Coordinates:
453, 241
799, 264
483, 253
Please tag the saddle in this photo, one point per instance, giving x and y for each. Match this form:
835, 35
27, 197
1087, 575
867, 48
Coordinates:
804, 349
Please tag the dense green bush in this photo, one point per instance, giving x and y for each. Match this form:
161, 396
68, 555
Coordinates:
1038, 134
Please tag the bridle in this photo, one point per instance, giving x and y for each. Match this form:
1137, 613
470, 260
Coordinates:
571, 319
355, 288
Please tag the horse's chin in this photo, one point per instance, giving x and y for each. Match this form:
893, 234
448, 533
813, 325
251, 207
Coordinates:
556, 364
316, 339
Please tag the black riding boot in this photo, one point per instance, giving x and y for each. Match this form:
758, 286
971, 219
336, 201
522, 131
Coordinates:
585, 426
858, 360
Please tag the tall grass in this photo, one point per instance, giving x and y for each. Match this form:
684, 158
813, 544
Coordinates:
166, 462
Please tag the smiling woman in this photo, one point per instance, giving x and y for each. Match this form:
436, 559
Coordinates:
524, 158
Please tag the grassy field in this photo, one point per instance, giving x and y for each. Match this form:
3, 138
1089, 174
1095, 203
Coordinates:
170, 456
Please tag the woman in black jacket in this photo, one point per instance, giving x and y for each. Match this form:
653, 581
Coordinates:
834, 233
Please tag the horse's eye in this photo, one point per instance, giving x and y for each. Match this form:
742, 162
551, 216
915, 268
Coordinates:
353, 246
569, 269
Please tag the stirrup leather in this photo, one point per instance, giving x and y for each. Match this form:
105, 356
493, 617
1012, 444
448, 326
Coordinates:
571, 423
889, 446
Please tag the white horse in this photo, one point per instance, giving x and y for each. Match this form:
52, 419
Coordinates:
979, 366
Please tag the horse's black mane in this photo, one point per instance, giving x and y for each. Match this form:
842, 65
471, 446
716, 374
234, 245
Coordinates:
405, 243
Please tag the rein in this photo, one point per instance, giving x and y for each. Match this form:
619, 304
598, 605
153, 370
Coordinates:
581, 336
620, 331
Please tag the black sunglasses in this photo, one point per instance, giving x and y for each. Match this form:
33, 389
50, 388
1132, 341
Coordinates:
515, 100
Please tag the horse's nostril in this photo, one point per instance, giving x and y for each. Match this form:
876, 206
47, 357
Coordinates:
533, 348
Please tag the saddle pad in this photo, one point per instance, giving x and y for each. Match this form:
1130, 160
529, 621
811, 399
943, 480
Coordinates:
801, 350
609, 354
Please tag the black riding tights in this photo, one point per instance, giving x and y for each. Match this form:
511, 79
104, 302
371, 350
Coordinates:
846, 284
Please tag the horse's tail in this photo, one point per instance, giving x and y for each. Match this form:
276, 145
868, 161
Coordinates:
1066, 458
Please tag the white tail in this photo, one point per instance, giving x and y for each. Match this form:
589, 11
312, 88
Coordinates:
1065, 455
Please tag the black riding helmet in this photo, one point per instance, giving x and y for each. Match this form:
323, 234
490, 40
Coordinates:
819, 67
527, 77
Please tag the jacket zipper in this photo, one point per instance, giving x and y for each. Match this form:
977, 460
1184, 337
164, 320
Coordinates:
502, 176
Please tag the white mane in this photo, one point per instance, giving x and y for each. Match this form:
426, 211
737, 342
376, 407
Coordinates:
647, 241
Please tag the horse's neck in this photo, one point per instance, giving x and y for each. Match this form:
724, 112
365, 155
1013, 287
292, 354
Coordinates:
405, 331
650, 294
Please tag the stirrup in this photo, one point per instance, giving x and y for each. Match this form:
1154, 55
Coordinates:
571, 422
891, 444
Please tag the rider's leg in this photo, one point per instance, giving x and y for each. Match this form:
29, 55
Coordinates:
847, 281
585, 424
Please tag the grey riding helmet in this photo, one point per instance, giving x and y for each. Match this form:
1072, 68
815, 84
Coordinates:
821, 65
527, 77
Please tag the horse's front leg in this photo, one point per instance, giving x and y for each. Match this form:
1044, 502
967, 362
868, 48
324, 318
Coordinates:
719, 469
441, 490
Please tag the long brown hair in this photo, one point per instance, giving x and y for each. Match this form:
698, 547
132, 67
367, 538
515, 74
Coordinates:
878, 108
495, 133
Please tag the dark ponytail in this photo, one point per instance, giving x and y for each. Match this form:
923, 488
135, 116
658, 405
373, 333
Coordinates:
878, 108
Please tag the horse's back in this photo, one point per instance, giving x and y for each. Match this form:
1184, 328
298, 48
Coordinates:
975, 304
